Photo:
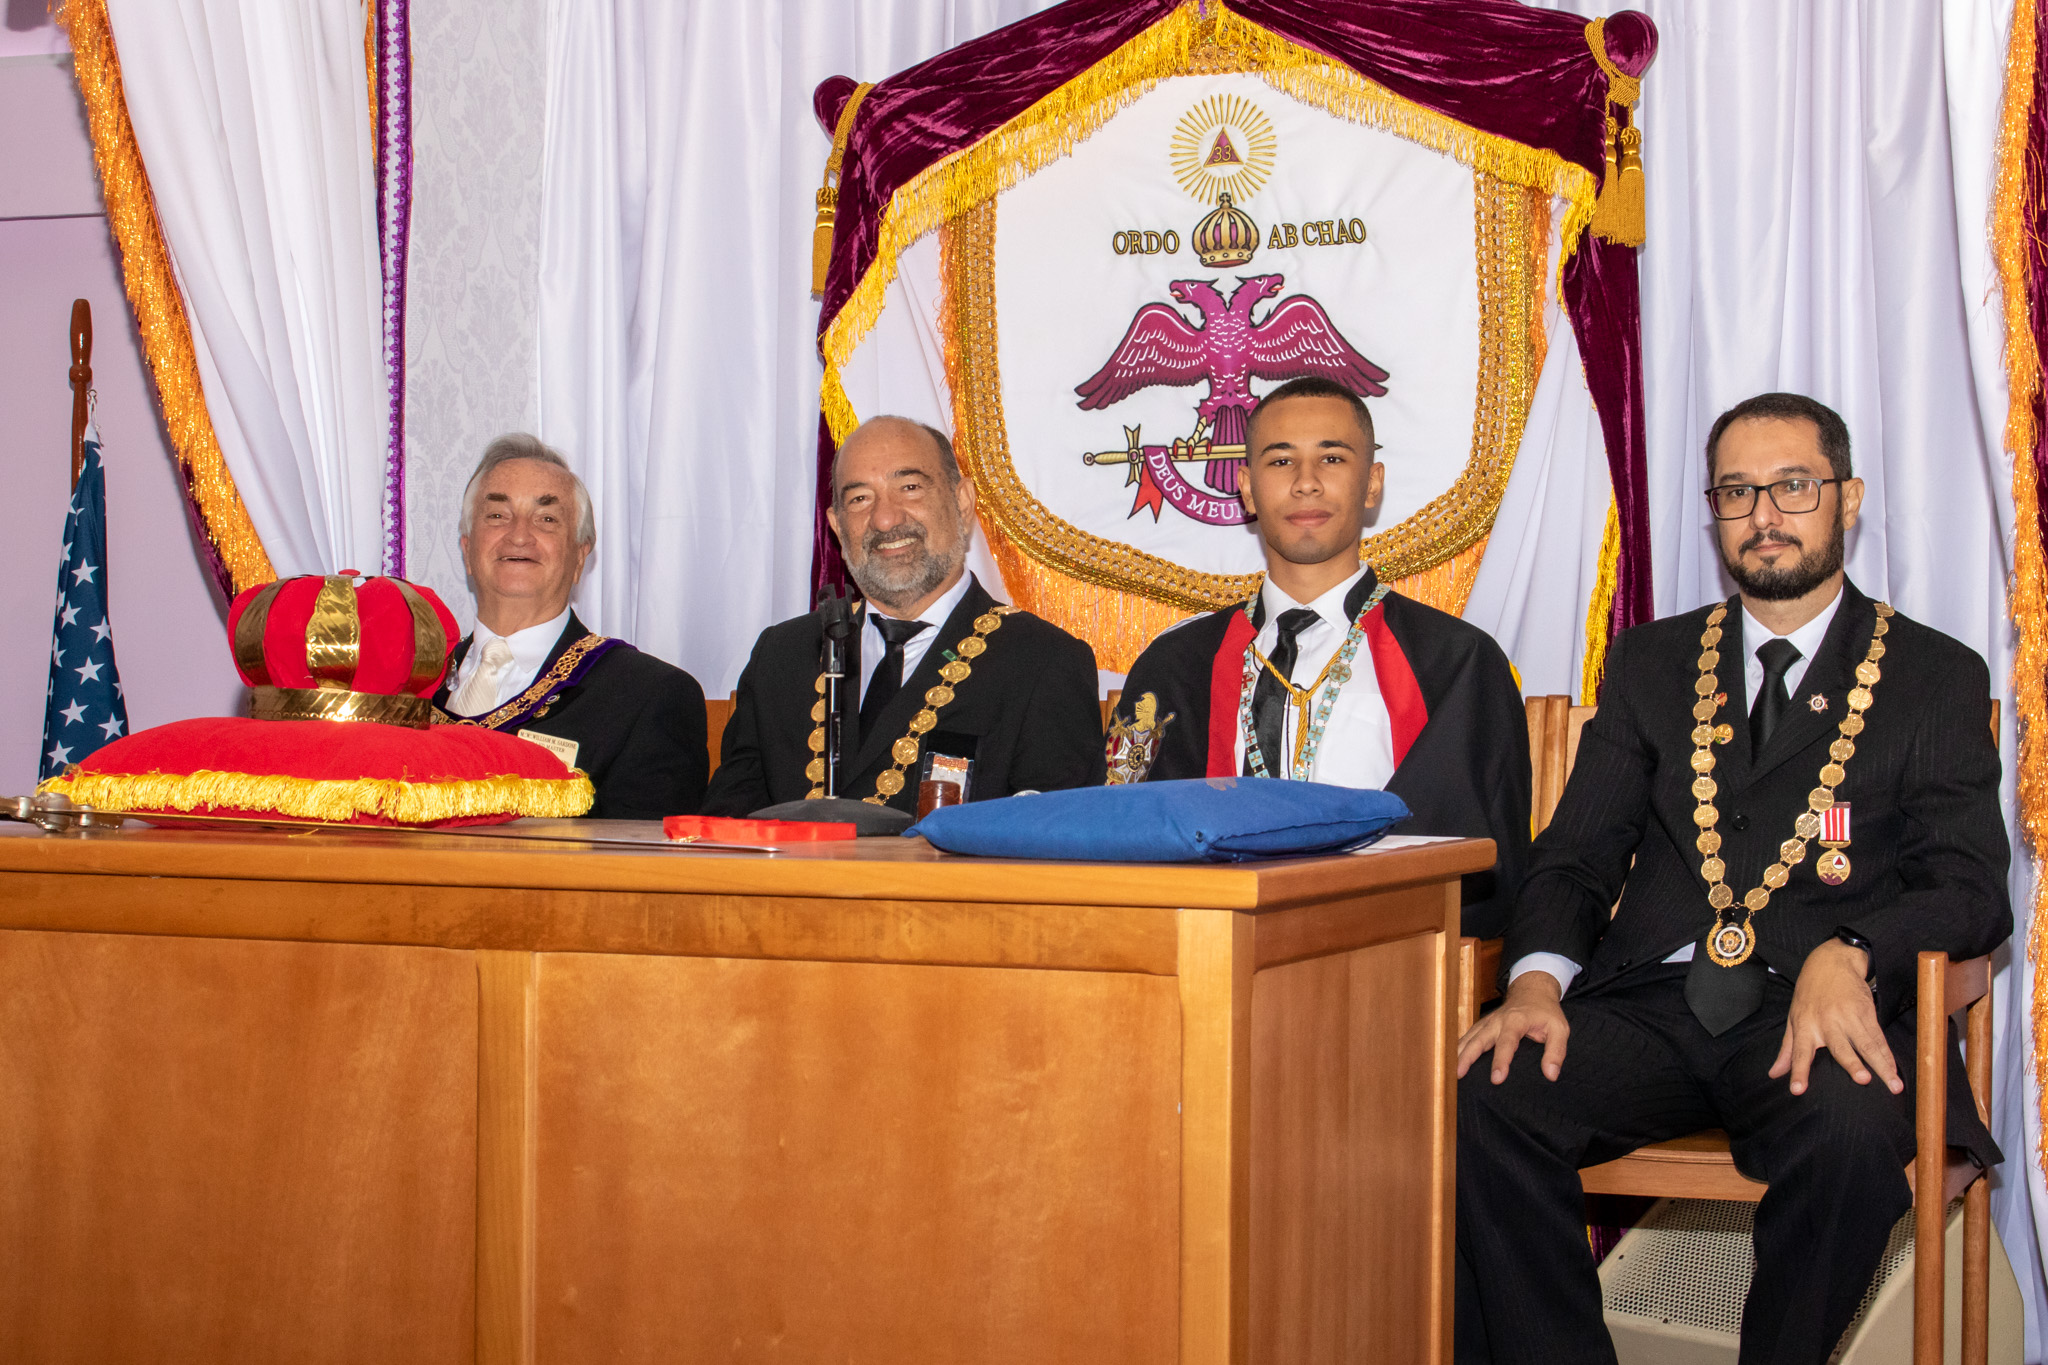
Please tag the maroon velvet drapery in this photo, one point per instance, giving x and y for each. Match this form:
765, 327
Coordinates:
1500, 66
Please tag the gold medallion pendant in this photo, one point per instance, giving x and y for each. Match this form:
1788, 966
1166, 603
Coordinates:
1730, 944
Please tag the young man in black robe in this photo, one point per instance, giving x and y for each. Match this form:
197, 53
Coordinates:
1325, 675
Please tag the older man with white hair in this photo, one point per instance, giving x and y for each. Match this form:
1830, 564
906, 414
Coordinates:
630, 721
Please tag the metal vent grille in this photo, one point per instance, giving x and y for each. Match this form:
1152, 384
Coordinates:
1695, 1265
1695, 1271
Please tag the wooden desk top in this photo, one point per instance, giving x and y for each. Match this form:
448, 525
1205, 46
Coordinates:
864, 869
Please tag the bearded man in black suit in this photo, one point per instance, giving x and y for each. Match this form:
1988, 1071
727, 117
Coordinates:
632, 722
1748, 980
1013, 698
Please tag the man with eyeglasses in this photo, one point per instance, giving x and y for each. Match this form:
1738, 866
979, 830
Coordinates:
1758, 973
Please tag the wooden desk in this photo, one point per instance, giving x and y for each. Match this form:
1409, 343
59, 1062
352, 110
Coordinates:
398, 1097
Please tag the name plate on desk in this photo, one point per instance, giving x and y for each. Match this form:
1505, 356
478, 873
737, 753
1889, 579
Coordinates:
564, 749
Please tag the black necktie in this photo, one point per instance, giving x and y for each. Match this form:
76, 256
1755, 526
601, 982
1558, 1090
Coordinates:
1269, 698
888, 676
1771, 701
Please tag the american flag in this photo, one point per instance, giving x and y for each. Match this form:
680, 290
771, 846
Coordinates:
84, 710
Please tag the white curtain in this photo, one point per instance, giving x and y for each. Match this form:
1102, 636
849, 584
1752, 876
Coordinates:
678, 369
253, 121
1819, 178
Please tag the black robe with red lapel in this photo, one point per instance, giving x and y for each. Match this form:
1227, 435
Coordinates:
1461, 737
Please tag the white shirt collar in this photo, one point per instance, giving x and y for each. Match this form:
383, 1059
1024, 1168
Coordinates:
1806, 639
1329, 606
934, 615
530, 647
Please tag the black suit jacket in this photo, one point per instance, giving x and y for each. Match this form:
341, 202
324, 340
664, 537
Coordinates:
1028, 715
1467, 772
1928, 855
638, 726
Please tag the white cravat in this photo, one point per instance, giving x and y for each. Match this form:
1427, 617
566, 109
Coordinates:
1357, 748
480, 693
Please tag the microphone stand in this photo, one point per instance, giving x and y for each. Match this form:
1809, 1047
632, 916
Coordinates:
838, 613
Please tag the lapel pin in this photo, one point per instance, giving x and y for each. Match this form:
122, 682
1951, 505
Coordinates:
1817, 703
1720, 699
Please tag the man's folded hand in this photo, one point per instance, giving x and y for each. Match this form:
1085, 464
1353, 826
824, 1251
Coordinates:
1529, 1010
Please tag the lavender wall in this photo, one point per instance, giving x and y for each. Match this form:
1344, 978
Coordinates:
169, 639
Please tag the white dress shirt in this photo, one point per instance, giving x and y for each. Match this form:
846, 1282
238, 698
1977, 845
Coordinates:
873, 646
1357, 748
530, 649
1755, 634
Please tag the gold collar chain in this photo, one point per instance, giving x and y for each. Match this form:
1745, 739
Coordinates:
1731, 943
904, 751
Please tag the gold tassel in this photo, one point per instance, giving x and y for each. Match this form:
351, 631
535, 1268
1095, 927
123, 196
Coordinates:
828, 193
1619, 215
1600, 609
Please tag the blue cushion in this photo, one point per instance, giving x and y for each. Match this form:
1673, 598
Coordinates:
1214, 819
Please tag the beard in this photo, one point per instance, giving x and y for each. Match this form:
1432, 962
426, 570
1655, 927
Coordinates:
1784, 582
917, 576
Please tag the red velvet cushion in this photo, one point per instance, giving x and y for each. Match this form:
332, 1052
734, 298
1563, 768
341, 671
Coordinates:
356, 772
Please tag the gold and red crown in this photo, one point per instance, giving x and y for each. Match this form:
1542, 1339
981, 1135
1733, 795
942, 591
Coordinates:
1227, 237
342, 647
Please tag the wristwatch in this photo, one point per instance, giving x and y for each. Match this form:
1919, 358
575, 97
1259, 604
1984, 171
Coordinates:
1856, 940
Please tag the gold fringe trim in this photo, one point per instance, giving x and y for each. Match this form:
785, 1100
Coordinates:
1618, 215
153, 292
1314, 79
840, 417
1447, 586
1071, 114
334, 801
2011, 220
1600, 609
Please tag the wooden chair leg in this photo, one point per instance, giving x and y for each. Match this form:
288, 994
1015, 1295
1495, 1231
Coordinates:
1977, 1200
1929, 1213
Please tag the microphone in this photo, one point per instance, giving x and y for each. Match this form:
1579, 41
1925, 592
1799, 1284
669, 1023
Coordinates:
839, 626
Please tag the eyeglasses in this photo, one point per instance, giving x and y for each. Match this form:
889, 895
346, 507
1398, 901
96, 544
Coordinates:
1732, 501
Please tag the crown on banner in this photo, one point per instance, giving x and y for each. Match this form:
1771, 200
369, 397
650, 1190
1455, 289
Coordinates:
1226, 237
342, 647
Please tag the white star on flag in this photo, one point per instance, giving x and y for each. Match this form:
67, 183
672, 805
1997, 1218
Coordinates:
70, 614
59, 756
87, 671
73, 714
102, 630
84, 572
111, 727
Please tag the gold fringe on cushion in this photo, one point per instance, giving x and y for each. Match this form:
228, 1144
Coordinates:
1600, 609
2012, 215
153, 292
334, 801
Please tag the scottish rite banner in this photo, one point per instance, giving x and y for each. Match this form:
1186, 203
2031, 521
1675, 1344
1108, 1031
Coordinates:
1123, 269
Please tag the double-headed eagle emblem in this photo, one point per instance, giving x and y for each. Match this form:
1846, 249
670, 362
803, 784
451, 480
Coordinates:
1227, 350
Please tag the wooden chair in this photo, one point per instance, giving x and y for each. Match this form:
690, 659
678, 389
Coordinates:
717, 711
1700, 1166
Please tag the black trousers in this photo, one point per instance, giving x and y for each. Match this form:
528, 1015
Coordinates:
1639, 1068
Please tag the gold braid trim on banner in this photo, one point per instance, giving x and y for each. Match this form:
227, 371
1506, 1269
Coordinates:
153, 292
2012, 217
1600, 609
1118, 597
1070, 114
336, 800
1315, 80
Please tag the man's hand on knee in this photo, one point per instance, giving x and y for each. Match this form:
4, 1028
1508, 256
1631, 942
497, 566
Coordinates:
1529, 1010
1832, 1008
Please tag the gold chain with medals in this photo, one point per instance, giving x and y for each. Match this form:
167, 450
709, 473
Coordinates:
1731, 943
904, 751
